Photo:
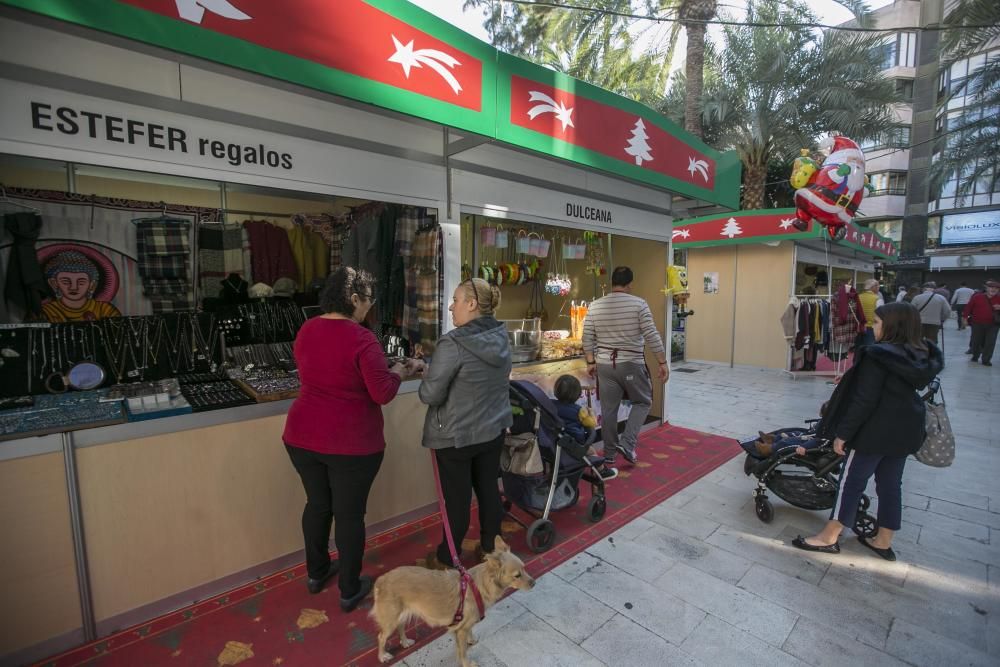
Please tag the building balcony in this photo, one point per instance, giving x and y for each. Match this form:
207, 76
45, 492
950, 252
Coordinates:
883, 204
892, 159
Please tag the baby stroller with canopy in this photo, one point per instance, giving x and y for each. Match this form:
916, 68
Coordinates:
808, 480
564, 463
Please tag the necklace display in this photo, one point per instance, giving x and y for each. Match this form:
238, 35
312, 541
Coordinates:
143, 349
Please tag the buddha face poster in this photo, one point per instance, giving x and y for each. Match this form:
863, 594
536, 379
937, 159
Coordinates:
83, 283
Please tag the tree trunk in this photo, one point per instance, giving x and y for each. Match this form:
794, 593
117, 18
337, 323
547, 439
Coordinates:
694, 70
753, 184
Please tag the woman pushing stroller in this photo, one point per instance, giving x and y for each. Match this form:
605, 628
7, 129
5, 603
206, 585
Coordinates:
876, 417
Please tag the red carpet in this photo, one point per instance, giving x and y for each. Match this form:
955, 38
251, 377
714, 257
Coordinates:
274, 621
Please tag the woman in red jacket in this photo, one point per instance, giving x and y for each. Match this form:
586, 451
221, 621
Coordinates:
333, 433
983, 312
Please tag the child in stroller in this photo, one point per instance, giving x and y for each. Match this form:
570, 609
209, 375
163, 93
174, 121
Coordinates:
579, 422
801, 469
564, 464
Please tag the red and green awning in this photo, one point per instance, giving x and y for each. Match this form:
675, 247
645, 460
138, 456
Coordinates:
395, 55
771, 225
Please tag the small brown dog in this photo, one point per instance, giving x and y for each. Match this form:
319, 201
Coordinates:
432, 596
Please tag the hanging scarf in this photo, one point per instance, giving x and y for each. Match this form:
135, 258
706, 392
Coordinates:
26, 285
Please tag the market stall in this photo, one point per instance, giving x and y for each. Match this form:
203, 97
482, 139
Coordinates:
195, 182
747, 269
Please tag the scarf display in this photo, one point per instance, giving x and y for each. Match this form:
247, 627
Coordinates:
25, 284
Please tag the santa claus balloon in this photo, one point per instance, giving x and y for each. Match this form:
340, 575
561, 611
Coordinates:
833, 191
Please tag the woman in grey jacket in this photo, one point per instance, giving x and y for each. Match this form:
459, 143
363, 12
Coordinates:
466, 391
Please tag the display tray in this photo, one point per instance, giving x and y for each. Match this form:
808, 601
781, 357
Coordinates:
262, 397
57, 413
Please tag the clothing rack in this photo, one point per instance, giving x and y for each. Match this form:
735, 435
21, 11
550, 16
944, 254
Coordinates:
796, 374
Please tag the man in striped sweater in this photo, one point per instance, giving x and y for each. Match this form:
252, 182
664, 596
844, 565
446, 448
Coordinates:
615, 332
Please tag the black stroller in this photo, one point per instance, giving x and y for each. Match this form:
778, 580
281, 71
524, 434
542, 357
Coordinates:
809, 480
565, 463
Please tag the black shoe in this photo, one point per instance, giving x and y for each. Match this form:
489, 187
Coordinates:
351, 603
630, 454
800, 543
607, 472
316, 585
974, 359
887, 554
968, 351
987, 363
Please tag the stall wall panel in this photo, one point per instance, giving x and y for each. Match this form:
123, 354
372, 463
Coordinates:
709, 330
169, 513
648, 261
763, 287
257, 99
86, 59
37, 568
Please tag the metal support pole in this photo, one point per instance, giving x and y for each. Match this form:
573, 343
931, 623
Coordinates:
79, 544
447, 170
736, 278
71, 177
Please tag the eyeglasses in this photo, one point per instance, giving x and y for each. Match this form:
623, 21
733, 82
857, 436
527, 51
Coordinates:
370, 298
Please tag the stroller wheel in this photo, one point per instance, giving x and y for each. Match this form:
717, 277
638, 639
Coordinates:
596, 508
541, 535
864, 503
865, 525
764, 509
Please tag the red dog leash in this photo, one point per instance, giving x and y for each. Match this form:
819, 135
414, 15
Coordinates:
465, 578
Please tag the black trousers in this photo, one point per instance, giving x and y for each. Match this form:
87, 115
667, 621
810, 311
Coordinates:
984, 340
336, 487
960, 308
858, 469
463, 469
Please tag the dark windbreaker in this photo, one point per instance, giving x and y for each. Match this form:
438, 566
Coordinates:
876, 408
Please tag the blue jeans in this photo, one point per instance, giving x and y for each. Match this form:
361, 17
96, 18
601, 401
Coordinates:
858, 469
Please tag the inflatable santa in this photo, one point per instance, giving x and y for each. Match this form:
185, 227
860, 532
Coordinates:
833, 192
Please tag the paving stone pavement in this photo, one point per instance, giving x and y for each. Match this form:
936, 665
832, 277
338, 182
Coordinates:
699, 580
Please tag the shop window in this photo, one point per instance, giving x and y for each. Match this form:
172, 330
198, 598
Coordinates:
200, 267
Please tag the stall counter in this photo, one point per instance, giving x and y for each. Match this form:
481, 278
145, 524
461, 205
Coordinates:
173, 510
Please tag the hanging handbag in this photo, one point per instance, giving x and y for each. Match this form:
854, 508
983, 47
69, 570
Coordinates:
938, 450
520, 454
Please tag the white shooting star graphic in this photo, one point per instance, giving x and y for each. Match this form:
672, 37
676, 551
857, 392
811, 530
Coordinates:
194, 10
683, 233
700, 166
548, 105
439, 61
787, 223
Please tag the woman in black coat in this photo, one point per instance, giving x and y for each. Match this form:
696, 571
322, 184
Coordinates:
877, 417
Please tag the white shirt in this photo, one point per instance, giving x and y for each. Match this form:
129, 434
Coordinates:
962, 295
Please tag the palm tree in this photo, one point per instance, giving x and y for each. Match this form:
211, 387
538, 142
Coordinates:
779, 89
969, 150
597, 45
693, 16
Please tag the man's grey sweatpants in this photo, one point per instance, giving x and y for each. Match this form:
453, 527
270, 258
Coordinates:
630, 380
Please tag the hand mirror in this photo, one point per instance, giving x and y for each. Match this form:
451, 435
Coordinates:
82, 376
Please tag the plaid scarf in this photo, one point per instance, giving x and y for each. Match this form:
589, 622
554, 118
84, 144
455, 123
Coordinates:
164, 263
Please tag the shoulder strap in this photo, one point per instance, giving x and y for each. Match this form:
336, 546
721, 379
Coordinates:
925, 303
